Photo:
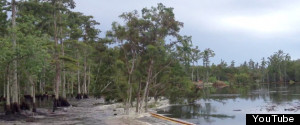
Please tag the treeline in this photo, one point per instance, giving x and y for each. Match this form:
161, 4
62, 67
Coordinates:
48, 50
277, 68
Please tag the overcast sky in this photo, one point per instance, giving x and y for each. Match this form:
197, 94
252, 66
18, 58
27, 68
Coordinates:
237, 30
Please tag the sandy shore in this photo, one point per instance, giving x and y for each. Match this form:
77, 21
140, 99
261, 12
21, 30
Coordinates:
86, 112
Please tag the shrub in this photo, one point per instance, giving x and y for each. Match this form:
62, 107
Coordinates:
242, 78
212, 79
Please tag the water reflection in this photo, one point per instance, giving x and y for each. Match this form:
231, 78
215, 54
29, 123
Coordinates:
230, 105
194, 111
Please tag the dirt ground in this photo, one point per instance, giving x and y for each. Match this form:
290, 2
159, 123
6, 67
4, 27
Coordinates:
83, 112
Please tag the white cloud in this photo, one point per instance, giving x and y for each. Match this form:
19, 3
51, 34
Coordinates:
260, 24
281, 21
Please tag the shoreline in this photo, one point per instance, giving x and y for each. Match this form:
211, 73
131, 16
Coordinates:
87, 111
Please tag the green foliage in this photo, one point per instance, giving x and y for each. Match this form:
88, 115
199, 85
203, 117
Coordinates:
3, 18
212, 79
227, 83
242, 78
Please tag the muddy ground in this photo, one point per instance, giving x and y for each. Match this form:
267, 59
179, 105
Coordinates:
83, 112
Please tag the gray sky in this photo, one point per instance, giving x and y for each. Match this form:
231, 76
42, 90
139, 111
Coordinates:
237, 30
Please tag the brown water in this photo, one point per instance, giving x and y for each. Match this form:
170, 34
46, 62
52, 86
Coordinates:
230, 105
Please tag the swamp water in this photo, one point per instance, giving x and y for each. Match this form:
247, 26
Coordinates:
230, 105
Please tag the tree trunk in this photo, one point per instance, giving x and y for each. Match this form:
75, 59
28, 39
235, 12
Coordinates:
4, 86
64, 96
7, 107
43, 80
156, 96
89, 81
32, 93
138, 98
130, 70
15, 98
84, 77
4, 89
78, 83
40, 87
57, 63
146, 103
149, 74
34, 99
72, 86
68, 86
129, 91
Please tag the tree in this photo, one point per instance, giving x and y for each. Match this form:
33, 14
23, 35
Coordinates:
58, 7
89, 35
185, 50
15, 99
206, 54
143, 37
263, 68
195, 58
276, 65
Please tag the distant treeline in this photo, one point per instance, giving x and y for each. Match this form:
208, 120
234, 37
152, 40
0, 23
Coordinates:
277, 68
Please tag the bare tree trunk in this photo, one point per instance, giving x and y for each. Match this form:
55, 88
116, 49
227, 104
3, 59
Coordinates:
43, 79
40, 86
78, 82
138, 98
146, 103
130, 94
149, 74
15, 98
84, 77
19, 92
129, 91
127, 105
156, 90
57, 63
72, 86
89, 81
34, 99
32, 93
68, 86
64, 95
7, 107
4, 88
